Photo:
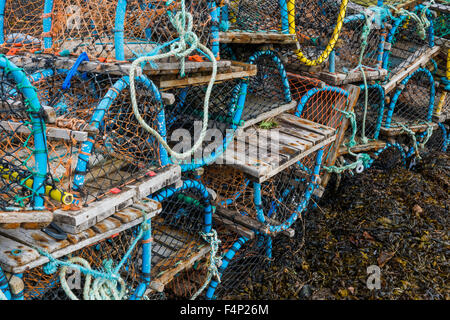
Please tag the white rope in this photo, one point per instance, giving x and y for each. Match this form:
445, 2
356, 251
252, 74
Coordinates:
180, 50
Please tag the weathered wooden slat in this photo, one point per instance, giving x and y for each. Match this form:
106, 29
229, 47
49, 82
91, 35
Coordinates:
75, 221
367, 147
239, 70
9, 104
414, 127
25, 216
274, 110
339, 78
52, 132
14, 254
306, 124
35, 238
257, 37
68, 246
248, 222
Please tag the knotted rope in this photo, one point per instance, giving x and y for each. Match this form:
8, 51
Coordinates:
106, 283
214, 261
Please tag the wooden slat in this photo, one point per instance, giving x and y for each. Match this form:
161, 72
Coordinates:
306, 124
40, 217
397, 130
339, 78
16, 239
257, 37
367, 147
52, 132
75, 221
274, 110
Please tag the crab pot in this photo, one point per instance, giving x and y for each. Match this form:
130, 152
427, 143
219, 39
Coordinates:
407, 44
111, 29
317, 25
243, 262
412, 103
276, 202
180, 255
184, 120
320, 103
96, 143
352, 50
21, 25
437, 142
40, 284
23, 153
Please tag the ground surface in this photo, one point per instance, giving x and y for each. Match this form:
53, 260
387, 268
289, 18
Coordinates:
395, 219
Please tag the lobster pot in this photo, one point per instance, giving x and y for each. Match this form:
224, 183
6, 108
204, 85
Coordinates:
277, 202
184, 120
350, 50
180, 256
440, 21
373, 112
109, 29
21, 24
269, 16
320, 103
243, 264
412, 103
315, 23
96, 142
23, 154
407, 44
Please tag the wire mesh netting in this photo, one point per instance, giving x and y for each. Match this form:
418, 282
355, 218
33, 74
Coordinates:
23, 153
407, 41
369, 118
413, 101
107, 29
98, 144
318, 25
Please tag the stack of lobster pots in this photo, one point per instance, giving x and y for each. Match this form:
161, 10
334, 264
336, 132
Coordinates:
155, 149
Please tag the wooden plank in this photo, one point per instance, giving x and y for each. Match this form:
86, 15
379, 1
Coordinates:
412, 66
257, 37
35, 238
75, 221
9, 104
276, 110
248, 222
306, 124
233, 226
40, 61
14, 254
25, 216
367, 147
397, 130
245, 70
52, 132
